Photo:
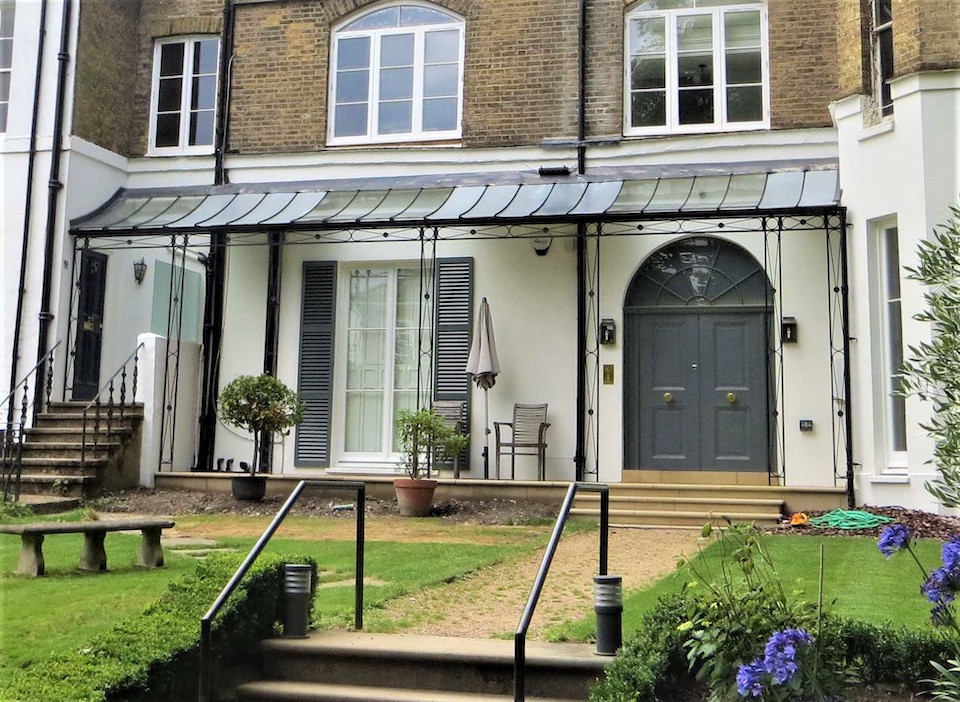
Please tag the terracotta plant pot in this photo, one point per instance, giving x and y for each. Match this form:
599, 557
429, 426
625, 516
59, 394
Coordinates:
414, 497
248, 488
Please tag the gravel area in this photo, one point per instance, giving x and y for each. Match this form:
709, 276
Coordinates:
923, 525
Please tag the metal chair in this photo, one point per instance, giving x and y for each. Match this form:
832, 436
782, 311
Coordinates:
454, 414
528, 430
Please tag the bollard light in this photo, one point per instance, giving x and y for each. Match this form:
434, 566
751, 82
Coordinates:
608, 605
296, 598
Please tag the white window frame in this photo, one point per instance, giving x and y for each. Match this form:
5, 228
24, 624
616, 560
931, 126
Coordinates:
720, 123
881, 84
895, 457
8, 70
416, 134
182, 147
386, 460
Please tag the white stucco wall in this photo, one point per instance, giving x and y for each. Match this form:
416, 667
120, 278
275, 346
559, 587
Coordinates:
906, 168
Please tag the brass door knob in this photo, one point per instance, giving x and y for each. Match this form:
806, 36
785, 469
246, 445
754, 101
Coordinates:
731, 397
668, 397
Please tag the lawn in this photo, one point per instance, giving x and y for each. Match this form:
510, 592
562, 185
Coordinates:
40, 617
859, 583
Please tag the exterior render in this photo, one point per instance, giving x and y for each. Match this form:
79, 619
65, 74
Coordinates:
690, 219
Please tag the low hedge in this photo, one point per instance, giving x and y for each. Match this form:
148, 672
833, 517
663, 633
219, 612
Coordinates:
652, 660
155, 655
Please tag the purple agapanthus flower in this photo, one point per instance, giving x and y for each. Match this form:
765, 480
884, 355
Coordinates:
780, 653
895, 537
951, 558
939, 587
750, 679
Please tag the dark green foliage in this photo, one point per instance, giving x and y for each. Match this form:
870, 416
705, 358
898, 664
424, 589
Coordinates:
651, 659
154, 656
893, 654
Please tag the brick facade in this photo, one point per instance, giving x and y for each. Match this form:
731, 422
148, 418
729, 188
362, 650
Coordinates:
106, 48
520, 84
926, 35
853, 47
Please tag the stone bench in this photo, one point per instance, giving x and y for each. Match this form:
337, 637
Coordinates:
93, 556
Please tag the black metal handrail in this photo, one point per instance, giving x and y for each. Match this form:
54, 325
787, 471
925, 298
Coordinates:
206, 622
96, 403
520, 637
11, 447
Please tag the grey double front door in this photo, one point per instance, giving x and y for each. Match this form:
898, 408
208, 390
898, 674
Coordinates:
700, 383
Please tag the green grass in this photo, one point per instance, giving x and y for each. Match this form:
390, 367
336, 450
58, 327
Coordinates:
859, 583
44, 616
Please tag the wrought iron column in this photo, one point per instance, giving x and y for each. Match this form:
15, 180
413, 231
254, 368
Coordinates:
171, 364
213, 295
271, 331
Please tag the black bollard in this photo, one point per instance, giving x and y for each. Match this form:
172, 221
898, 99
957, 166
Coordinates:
296, 598
608, 605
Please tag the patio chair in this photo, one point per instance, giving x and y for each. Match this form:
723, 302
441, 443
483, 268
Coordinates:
528, 437
454, 414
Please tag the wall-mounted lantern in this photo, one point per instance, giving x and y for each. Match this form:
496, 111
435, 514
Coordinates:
139, 270
608, 331
788, 330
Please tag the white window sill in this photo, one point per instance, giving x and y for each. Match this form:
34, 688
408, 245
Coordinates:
885, 126
890, 478
365, 469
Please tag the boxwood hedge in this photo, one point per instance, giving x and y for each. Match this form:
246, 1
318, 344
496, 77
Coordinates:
155, 655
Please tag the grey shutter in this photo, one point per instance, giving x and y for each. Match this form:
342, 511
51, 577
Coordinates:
454, 303
316, 363
454, 306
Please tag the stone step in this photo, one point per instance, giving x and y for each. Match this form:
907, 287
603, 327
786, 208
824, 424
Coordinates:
677, 518
682, 504
291, 691
49, 504
75, 434
43, 464
452, 666
68, 449
60, 485
77, 408
60, 421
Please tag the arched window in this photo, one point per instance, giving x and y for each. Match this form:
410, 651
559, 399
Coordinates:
397, 75
696, 66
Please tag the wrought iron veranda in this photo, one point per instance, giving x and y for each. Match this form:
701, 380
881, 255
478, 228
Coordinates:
20, 414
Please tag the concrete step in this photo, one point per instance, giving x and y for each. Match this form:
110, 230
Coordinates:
75, 421
44, 464
289, 691
453, 666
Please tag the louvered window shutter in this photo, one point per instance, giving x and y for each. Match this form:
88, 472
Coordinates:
316, 363
454, 305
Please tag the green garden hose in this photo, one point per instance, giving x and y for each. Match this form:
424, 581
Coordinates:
849, 519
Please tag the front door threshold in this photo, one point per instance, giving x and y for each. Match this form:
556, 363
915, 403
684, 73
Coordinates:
698, 477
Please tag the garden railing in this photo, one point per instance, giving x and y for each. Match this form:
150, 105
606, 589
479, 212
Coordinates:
21, 407
520, 637
206, 623
94, 411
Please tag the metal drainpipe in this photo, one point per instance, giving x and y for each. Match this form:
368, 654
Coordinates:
28, 203
847, 382
580, 451
213, 290
54, 186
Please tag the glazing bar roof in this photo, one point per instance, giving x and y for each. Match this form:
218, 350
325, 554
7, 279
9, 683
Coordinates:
471, 200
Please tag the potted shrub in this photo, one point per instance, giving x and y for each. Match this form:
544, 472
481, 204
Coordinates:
422, 434
261, 405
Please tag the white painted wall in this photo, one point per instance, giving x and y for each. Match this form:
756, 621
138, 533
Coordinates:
179, 448
907, 167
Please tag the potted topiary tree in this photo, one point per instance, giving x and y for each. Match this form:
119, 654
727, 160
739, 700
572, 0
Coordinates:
422, 434
261, 405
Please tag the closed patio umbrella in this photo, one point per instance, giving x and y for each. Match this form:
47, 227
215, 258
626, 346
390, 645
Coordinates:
483, 367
